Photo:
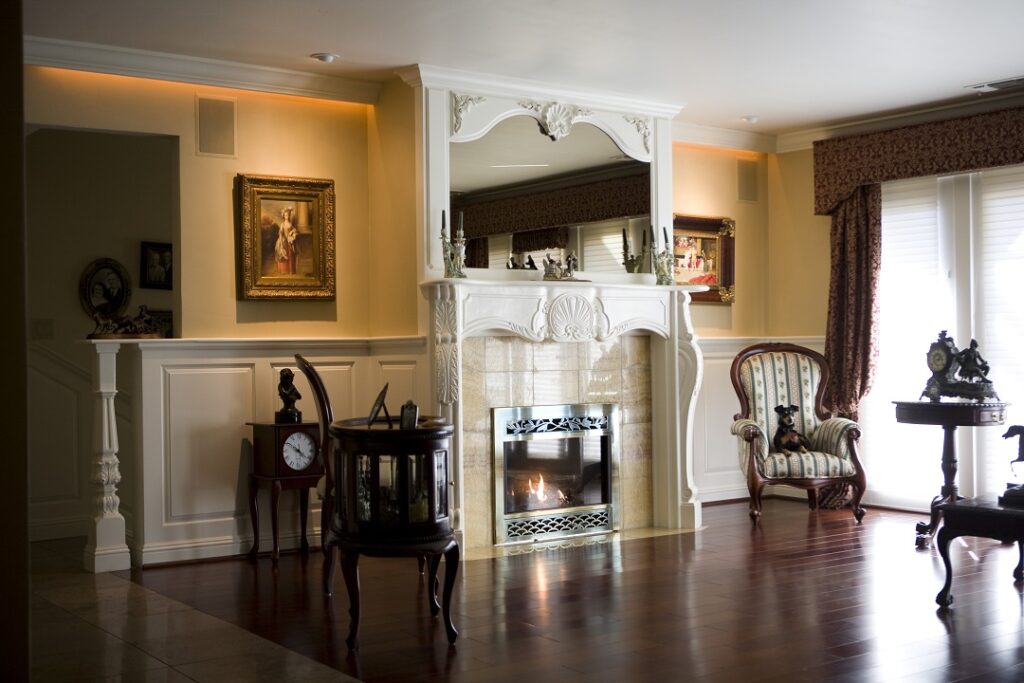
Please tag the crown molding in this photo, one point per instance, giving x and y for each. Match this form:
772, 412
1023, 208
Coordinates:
804, 139
171, 67
424, 75
692, 134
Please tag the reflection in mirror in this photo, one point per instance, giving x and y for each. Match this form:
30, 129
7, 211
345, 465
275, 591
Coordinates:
524, 197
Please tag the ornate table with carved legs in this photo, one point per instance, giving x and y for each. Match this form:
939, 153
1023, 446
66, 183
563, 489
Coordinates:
949, 416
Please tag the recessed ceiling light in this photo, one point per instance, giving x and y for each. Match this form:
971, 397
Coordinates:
749, 119
325, 57
520, 165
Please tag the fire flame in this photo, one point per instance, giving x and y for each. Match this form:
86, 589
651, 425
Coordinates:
540, 490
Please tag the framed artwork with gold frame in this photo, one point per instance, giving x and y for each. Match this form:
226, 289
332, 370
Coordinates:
703, 248
285, 238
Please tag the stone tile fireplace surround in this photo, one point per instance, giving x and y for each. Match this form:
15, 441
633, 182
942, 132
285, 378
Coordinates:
508, 371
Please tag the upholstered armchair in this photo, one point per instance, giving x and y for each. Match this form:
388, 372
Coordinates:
773, 374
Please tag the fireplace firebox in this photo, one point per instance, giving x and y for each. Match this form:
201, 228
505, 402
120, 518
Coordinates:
555, 471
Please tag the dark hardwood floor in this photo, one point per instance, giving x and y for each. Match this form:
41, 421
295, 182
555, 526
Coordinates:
808, 596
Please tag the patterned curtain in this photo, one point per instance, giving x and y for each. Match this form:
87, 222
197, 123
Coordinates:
847, 173
851, 346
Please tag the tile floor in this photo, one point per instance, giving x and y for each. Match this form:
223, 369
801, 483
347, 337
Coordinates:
100, 627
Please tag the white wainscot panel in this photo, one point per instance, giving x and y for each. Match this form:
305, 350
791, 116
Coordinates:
207, 409
400, 376
716, 468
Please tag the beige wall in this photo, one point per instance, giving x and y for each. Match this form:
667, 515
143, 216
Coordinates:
276, 135
798, 249
782, 248
704, 184
393, 289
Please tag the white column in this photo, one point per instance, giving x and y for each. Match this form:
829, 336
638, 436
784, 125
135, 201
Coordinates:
677, 368
446, 354
106, 549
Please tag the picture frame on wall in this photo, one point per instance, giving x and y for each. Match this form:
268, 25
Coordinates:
164, 321
703, 248
104, 288
285, 238
156, 265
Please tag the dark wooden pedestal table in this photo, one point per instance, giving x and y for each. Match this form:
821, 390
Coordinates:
971, 517
391, 500
949, 416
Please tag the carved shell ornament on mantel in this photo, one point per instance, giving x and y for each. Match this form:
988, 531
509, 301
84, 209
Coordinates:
556, 119
571, 317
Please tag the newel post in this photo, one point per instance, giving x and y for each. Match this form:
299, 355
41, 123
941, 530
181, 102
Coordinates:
106, 549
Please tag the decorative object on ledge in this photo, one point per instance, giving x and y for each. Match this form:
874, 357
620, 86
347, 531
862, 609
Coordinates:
957, 373
155, 265
104, 289
142, 326
662, 261
454, 251
285, 238
1014, 494
703, 251
554, 270
289, 395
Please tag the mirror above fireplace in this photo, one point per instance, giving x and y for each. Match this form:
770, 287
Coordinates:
523, 193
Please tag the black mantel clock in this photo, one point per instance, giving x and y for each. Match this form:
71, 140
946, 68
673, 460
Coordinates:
957, 373
284, 455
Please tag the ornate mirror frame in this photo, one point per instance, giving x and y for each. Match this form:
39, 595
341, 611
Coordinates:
456, 106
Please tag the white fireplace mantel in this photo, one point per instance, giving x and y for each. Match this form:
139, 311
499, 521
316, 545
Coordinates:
578, 312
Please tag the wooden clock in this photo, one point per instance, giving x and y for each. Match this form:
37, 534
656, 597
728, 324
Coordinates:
284, 455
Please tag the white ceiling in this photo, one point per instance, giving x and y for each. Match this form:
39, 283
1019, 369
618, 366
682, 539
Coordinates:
795, 64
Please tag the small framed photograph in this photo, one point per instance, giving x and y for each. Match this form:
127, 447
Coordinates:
164, 320
104, 288
410, 415
156, 266
703, 250
286, 238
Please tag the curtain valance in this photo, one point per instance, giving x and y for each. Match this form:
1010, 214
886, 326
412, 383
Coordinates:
954, 146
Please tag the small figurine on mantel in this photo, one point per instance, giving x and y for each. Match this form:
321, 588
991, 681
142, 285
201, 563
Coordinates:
1014, 494
289, 395
957, 373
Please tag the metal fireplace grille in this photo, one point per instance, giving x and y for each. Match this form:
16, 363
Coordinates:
577, 443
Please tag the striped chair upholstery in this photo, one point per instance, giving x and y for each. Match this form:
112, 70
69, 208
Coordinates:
770, 375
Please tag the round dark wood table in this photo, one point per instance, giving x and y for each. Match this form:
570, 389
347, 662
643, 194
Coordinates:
949, 416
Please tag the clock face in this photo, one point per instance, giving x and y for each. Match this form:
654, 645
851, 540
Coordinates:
938, 358
299, 450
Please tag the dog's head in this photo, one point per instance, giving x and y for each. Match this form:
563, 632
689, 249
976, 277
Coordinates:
785, 414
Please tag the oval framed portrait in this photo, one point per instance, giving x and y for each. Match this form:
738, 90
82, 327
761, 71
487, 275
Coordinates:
104, 288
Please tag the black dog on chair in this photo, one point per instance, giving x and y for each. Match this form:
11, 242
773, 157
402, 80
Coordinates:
787, 438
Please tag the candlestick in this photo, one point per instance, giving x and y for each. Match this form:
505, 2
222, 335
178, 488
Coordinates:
460, 235
654, 241
664, 233
625, 241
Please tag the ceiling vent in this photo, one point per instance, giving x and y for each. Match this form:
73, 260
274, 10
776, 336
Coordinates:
1016, 83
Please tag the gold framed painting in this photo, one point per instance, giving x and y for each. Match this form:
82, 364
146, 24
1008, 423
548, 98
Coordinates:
285, 238
703, 248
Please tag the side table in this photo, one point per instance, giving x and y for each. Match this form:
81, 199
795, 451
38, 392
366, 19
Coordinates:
285, 457
949, 416
972, 517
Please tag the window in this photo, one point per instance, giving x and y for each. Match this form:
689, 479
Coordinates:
952, 259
